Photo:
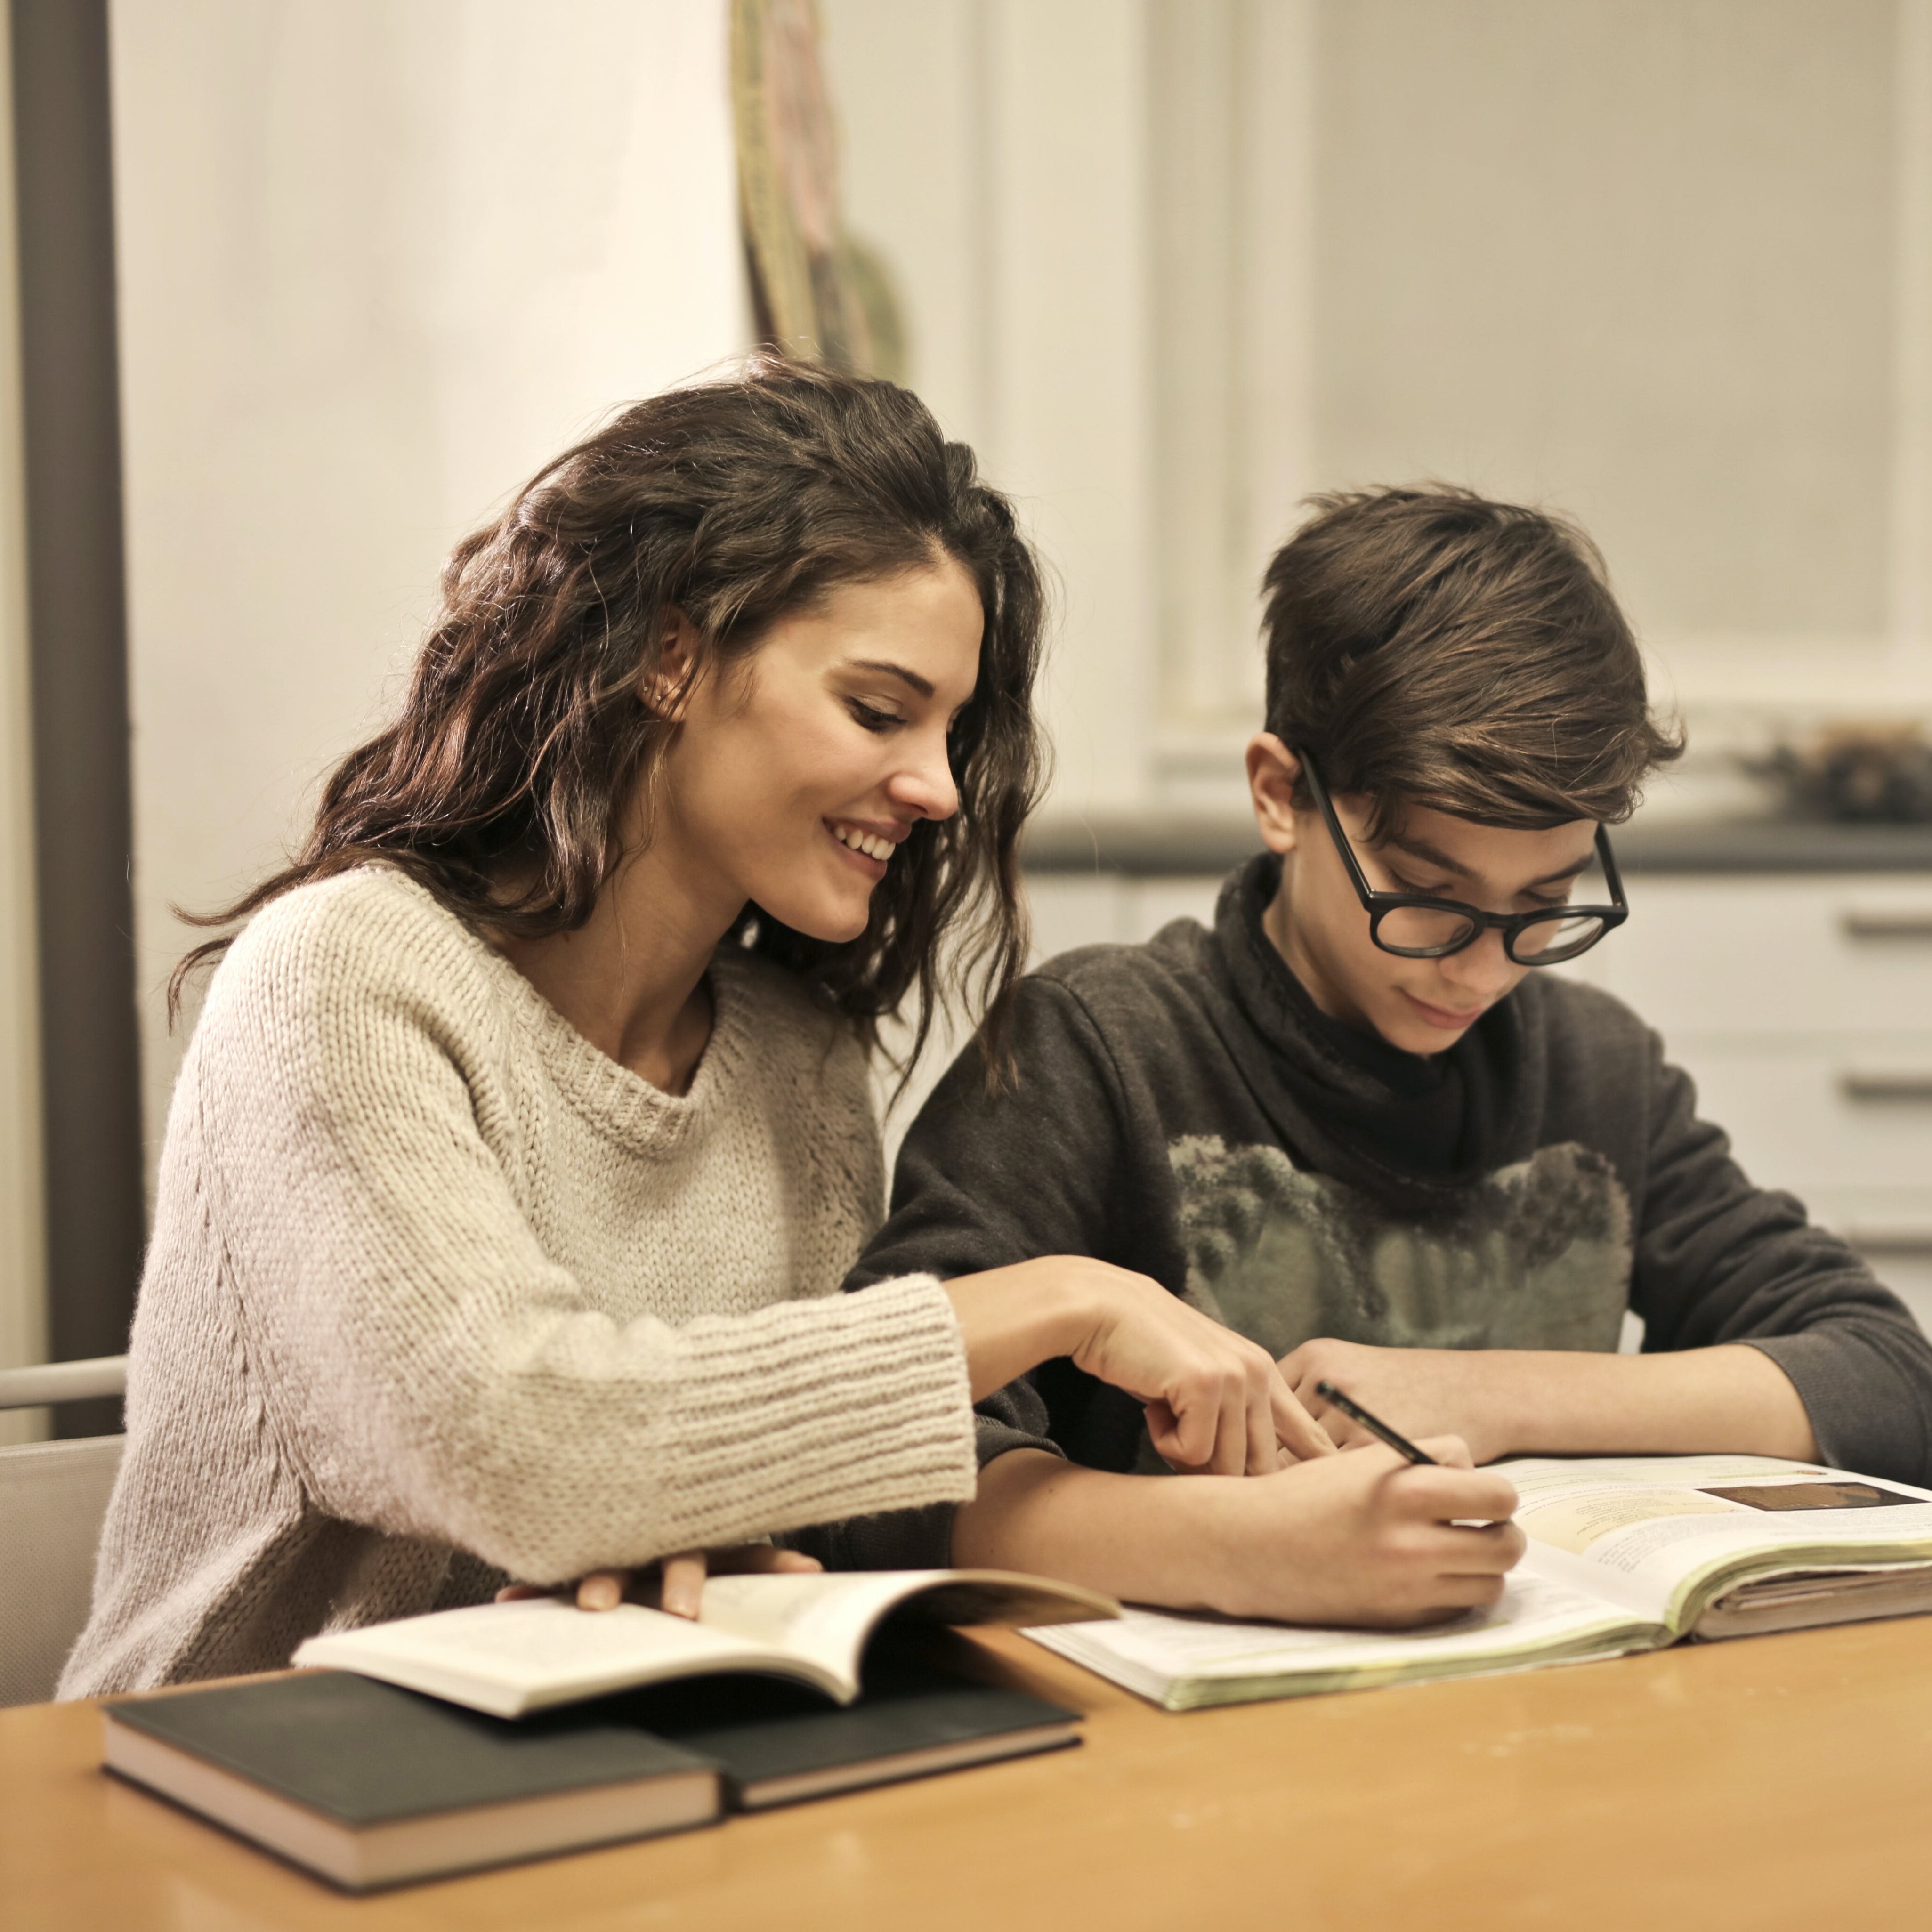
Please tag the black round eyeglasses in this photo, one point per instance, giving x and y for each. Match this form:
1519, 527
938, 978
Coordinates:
1413, 926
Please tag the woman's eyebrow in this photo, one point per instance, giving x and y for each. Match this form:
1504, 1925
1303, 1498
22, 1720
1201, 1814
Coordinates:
922, 685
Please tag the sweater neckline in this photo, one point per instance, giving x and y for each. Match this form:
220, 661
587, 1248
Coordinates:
623, 1104
620, 1104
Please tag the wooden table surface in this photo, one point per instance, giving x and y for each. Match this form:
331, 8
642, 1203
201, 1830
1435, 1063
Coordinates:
1781, 1781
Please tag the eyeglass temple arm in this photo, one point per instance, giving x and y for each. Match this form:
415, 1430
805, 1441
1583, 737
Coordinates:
1366, 892
1612, 876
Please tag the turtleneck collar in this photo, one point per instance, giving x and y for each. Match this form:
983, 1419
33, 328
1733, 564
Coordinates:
1435, 1120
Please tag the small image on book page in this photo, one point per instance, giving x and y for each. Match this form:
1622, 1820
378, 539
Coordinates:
1577, 1523
1831, 1495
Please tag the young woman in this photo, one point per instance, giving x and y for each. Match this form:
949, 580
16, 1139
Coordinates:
526, 1135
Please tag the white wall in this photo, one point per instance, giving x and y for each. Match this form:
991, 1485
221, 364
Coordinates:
1653, 278
22, 1250
906, 79
998, 153
377, 262
998, 150
1666, 263
1169, 264
1098, 211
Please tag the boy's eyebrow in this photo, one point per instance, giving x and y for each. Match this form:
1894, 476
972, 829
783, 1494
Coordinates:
922, 685
1429, 855
1434, 855
1556, 878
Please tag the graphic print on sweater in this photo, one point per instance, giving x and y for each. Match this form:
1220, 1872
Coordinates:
1538, 1256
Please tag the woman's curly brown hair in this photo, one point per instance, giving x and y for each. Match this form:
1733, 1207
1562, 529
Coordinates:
523, 742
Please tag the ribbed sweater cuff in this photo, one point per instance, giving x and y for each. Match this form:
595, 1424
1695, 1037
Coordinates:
815, 1410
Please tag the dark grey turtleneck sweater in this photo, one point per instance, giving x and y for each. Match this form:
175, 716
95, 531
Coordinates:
1183, 1109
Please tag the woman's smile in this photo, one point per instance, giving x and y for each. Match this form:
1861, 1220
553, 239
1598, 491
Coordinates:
868, 845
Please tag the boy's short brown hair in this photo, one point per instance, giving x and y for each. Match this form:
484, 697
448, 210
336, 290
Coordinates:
1430, 647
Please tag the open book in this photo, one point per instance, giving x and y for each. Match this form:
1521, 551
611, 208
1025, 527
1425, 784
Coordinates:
510, 1658
1625, 1553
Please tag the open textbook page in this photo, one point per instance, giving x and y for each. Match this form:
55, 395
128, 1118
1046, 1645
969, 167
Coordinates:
510, 1658
1625, 1553
1184, 1662
1721, 1546
823, 1622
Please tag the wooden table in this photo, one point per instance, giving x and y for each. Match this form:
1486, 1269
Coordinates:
1782, 1781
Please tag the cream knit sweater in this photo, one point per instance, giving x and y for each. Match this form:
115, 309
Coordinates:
438, 1291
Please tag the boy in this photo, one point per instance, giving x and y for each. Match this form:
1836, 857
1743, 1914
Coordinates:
1357, 1122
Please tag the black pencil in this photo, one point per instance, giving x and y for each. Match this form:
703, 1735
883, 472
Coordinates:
1374, 1424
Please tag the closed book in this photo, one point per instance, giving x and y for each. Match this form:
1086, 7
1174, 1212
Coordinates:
778, 1742
369, 1785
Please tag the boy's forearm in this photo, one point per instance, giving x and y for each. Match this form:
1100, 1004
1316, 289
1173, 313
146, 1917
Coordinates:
1128, 1536
1360, 1539
1732, 1398
1515, 1402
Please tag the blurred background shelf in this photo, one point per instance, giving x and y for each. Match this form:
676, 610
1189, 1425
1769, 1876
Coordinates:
1154, 845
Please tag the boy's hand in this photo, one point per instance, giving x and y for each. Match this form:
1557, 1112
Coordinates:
1365, 1539
1419, 1391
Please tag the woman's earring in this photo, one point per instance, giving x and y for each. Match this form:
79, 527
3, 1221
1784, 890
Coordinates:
663, 696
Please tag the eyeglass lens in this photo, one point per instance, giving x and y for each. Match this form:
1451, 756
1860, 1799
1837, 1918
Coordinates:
1548, 941
1427, 932
1422, 929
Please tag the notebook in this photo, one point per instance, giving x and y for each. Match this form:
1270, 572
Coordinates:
777, 1742
369, 1785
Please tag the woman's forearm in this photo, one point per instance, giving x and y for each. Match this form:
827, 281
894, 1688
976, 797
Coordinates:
1011, 1319
1213, 1400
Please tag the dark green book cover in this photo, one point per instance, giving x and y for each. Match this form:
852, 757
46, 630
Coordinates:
764, 1730
367, 1753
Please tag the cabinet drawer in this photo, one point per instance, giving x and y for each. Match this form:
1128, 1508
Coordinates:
1712, 954
1850, 1120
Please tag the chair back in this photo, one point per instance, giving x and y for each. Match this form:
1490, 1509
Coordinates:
52, 1497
